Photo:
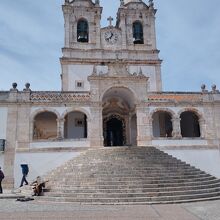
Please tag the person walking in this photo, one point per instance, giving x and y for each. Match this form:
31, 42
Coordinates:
2, 176
25, 171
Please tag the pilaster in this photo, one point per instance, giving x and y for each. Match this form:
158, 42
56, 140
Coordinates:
144, 127
11, 136
60, 128
176, 128
95, 127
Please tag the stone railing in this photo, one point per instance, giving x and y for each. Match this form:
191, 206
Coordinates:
59, 96
176, 97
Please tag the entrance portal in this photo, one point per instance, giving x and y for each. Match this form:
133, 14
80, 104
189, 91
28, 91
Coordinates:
114, 133
119, 117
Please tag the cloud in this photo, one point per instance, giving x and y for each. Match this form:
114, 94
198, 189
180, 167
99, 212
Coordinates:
32, 35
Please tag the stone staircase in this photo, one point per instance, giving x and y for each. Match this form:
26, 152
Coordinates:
129, 175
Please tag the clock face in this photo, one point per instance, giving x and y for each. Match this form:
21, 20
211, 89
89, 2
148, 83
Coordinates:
111, 37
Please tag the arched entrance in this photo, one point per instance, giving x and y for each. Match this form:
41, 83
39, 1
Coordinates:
119, 117
115, 134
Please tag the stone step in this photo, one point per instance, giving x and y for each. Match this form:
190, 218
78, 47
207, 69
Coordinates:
135, 181
129, 175
133, 175
134, 195
133, 200
131, 190
126, 169
143, 186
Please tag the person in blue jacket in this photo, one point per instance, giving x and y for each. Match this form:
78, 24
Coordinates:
25, 171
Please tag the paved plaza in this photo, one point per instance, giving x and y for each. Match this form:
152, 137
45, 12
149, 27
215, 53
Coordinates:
11, 209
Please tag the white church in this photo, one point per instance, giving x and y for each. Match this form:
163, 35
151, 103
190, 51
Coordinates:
111, 96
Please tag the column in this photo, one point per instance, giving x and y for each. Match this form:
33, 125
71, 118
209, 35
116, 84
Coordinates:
95, 128
202, 128
11, 142
176, 128
60, 128
144, 127
128, 130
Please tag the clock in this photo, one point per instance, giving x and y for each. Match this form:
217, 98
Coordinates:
111, 37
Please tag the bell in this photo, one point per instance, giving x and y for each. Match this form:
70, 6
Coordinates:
83, 37
138, 41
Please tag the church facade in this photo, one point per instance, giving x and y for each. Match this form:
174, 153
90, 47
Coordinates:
111, 94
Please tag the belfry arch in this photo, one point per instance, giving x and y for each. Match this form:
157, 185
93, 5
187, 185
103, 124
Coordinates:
119, 117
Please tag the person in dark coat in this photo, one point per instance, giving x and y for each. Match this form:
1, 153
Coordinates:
2, 176
25, 171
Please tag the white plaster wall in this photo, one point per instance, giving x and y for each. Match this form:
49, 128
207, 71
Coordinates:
161, 142
204, 159
39, 163
148, 71
3, 122
79, 73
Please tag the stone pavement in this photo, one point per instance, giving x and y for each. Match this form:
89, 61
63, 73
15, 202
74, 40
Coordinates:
34, 210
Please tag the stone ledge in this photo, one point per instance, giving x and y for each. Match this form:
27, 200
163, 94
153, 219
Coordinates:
55, 149
199, 147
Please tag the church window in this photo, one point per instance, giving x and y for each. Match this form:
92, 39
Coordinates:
79, 84
82, 31
138, 37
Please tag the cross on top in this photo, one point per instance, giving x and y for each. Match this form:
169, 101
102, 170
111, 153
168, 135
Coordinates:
110, 19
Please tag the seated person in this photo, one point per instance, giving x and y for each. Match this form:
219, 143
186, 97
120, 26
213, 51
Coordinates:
38, 186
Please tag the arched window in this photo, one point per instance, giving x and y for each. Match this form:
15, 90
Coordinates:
190, 124
162, 124
75, 126
138, 37
45, 126
82, 31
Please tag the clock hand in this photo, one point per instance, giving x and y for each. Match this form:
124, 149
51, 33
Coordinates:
111, 36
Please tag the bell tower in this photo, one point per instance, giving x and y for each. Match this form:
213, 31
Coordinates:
82, 34
137, 20
82, 23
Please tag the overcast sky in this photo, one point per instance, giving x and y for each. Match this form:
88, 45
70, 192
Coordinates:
31, 38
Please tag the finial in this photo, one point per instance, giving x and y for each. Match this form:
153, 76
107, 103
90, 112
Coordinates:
151, 3
14, 87
110, 19
122, 2
27, 87
94, 72
97, 2
140, 72
203, 87
214, 89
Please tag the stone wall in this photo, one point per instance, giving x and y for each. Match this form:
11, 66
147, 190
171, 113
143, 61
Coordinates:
3, 120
